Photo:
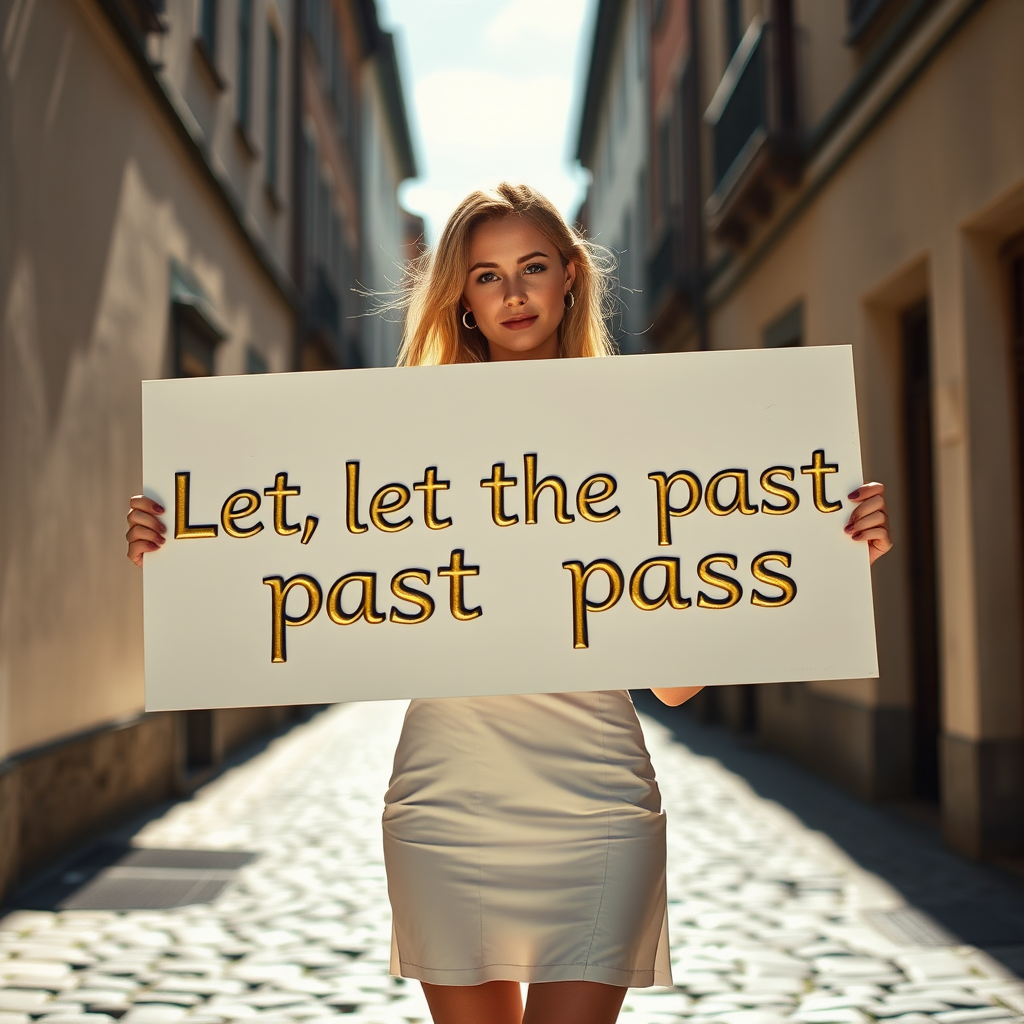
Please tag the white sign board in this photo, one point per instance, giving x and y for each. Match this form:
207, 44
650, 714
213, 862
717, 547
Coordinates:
543, 526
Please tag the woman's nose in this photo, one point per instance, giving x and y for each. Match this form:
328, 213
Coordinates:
515, 295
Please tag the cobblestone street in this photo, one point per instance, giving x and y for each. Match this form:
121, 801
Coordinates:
770, 920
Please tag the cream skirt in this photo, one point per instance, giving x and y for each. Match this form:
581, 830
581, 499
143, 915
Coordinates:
524, 840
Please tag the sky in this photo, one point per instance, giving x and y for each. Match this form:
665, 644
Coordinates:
494, 89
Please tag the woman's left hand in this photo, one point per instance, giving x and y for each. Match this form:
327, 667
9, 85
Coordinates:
870, 519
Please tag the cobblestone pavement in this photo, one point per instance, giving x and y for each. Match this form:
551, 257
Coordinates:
770, 920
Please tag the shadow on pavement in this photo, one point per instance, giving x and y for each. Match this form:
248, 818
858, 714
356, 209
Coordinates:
977, 903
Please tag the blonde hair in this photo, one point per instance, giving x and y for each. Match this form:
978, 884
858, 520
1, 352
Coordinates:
434, 331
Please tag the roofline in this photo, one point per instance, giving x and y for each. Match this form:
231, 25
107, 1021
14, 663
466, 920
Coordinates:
394, 99
606, 26
380, 45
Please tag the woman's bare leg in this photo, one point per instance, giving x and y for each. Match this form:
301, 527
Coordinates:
573, 1002
495, 1002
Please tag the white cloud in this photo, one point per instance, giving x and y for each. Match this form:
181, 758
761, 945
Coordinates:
479, 128
521, 20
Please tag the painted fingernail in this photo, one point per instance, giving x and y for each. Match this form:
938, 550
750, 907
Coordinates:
849, 527
856, 536
159, 509
853, 495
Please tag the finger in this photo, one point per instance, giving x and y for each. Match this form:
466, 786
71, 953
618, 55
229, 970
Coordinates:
144, 533
868, 490
875, 504
876, 550
138, 518
878, 534
138, 548
144, 504
867, 522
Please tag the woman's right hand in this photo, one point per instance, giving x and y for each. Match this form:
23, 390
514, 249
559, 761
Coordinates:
145, 528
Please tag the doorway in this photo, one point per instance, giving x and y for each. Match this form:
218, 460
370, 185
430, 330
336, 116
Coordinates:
918, 436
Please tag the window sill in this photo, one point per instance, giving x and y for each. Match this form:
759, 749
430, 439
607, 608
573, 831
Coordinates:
207, 61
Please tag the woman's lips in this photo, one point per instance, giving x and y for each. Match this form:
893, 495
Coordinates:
520, 324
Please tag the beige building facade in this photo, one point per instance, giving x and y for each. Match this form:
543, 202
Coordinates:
895, 234
145, 232
852, 173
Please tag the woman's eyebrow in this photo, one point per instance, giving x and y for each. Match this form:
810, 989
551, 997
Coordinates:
522, 259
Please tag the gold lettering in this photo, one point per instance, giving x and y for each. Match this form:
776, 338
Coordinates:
534, 487
424, 602
379, 505
455, 570
230, 514
669, 592
727, 583
819, 469
182, 529
774, 579
581, 604
367, 607
740, 500
429, 485
787, 494
309, 529
281, 492
497, 482
664, 484
352, 499
585, 501
279, 617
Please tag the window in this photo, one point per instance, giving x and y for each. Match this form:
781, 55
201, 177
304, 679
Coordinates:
208, 28
733, 27
244, 82
313, 8
788, 330
196, 332
665, 163
310, 188
273, 105
255, 361
323, 221
195, 340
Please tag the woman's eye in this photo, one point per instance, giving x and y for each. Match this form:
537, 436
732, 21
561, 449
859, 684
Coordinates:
534, 268
486, 277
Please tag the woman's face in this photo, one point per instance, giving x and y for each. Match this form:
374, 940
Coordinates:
515, 288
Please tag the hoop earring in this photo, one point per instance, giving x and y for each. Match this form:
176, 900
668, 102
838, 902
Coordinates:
465, 323
569, 300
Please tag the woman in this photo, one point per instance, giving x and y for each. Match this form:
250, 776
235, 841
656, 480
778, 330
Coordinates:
523, 835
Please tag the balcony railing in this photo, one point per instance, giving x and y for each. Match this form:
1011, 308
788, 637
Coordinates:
743, 118
752, 117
